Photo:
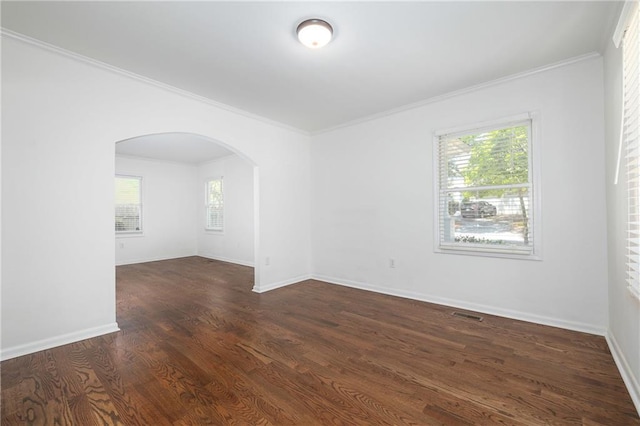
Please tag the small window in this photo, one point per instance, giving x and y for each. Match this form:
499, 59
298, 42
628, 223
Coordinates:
128, 208
484, 190
214, 205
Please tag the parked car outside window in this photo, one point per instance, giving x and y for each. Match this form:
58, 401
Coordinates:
477, 209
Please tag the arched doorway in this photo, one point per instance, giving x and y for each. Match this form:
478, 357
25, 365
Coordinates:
172, 170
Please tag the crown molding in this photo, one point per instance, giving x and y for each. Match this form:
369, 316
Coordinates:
137, 77
467, 90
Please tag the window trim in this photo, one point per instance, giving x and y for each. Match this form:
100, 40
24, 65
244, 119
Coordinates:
134, 233
534, 182
216, 231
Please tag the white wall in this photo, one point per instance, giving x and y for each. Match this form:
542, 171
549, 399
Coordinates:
61, 118
624, 310
235, 242
169, 205
173, 211
372, 187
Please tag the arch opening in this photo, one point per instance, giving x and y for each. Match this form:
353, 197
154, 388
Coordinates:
174, 168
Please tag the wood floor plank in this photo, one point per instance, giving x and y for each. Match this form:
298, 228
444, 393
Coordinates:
198, 347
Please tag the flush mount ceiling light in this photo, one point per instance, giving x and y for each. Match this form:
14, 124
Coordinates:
314, 33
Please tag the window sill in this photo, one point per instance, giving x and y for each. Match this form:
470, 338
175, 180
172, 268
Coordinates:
479, 251
130, 234
214, 231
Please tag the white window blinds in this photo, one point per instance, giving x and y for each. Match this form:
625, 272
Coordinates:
630, 130
485, 201
214, 205
128, 205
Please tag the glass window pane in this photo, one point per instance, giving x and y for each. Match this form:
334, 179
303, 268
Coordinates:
485, 190
128, 206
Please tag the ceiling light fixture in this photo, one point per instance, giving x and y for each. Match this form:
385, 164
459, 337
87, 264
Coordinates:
314, 33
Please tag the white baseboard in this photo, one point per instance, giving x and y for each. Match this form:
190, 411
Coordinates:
632, 383
273, 286
486, 309
208, 256
52, 342
226, 259
151, 259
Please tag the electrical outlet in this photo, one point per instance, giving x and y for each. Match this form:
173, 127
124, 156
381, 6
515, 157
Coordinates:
121, 245
392, 263
267, 261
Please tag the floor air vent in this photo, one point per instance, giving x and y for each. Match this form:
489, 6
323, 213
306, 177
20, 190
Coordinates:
468, 316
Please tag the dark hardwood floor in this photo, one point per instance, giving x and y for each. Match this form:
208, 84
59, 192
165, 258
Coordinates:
198, 347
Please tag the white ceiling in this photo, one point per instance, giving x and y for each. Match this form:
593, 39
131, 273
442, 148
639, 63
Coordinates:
384, 55
180, 147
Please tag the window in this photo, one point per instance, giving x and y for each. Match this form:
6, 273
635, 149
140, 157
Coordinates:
631, 126
214, 205
128, 208
484, 189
